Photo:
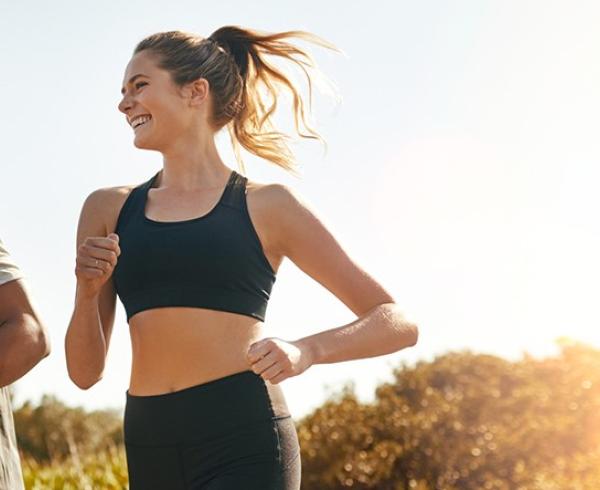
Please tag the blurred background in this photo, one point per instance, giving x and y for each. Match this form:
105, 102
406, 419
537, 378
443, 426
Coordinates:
461, 171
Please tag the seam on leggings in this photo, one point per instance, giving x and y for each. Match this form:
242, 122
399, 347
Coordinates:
285, 468
278, 456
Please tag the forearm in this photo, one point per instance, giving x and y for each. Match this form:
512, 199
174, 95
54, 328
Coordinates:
382, 330
85, 346
23, 343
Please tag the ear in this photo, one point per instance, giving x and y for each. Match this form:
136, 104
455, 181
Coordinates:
198, 91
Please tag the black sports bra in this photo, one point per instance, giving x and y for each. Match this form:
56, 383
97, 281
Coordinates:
215, 261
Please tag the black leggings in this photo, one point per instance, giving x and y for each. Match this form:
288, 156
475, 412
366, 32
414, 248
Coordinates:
230, 433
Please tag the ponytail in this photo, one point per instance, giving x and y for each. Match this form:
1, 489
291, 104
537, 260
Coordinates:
233, 61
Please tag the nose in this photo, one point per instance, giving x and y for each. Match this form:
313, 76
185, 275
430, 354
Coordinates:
125, 104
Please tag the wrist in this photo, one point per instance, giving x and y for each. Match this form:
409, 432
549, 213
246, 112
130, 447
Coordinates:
84, 297
311, 347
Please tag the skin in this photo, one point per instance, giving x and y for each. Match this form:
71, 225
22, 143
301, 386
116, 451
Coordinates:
24, 339
175, 347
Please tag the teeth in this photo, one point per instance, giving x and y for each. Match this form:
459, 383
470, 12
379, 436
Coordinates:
138, 121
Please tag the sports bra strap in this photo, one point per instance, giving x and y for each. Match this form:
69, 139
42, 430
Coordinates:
234, 196
133, 205
236, 192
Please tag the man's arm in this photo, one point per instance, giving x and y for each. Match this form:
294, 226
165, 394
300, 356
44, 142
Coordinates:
24, 340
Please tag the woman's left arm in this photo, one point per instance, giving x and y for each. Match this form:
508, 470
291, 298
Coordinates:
382, 330
299, 234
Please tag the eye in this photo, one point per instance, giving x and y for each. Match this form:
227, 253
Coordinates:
140, 84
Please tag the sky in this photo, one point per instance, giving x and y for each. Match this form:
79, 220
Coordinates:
461, 169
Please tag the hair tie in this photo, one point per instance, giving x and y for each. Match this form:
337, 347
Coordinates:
220, 46
213, 40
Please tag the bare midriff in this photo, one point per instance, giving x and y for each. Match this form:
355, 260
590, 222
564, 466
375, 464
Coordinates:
177, 347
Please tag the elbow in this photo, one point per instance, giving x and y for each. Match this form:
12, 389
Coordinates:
84, 378
414, 335
83, 383
34, 339
29, 344
84, 386
44, 343
40, 339
81, 369
409, 336
408, 332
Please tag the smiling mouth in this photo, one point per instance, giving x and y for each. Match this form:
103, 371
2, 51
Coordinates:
141, 121
141, 124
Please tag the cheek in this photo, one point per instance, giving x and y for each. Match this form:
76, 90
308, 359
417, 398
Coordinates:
174, 118
170, 115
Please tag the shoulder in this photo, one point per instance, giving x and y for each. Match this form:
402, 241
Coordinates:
286, 212
267, 193
281, 200
107, 196
102, 206
107, 201
273, 194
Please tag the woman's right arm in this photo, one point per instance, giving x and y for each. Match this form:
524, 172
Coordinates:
88, 335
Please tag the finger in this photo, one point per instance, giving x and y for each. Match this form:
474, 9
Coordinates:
88, 272
279, 378
264, 363
102, 242
272, 372
115, 238
258, 351
109, 256
93, 263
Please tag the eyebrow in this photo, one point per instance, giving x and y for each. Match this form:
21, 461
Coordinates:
132, 79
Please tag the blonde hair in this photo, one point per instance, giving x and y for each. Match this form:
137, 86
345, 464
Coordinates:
232, 60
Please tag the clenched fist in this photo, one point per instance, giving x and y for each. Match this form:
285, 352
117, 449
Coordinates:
96, 260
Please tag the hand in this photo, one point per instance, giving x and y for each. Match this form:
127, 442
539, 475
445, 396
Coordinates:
96, 259
275, 359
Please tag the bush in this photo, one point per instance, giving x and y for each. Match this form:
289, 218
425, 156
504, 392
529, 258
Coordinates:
463, 421
53, 431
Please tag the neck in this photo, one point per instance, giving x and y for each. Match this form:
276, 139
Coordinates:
193, 164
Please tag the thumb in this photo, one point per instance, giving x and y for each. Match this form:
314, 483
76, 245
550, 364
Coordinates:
113, 236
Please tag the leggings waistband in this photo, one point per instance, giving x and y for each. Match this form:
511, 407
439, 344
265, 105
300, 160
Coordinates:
202, 411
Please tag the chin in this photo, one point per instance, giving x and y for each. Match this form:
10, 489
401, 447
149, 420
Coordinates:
143, 145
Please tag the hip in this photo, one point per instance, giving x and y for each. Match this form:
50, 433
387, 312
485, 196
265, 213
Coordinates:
235, 431
202, 411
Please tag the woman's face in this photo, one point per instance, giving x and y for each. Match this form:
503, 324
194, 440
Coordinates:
150, 92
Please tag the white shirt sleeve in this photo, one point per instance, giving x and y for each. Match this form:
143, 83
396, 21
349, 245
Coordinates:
8, 269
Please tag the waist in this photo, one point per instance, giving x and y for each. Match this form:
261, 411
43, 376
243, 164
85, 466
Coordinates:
174, 348
219, 407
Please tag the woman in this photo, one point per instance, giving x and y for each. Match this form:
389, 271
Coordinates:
193, 254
